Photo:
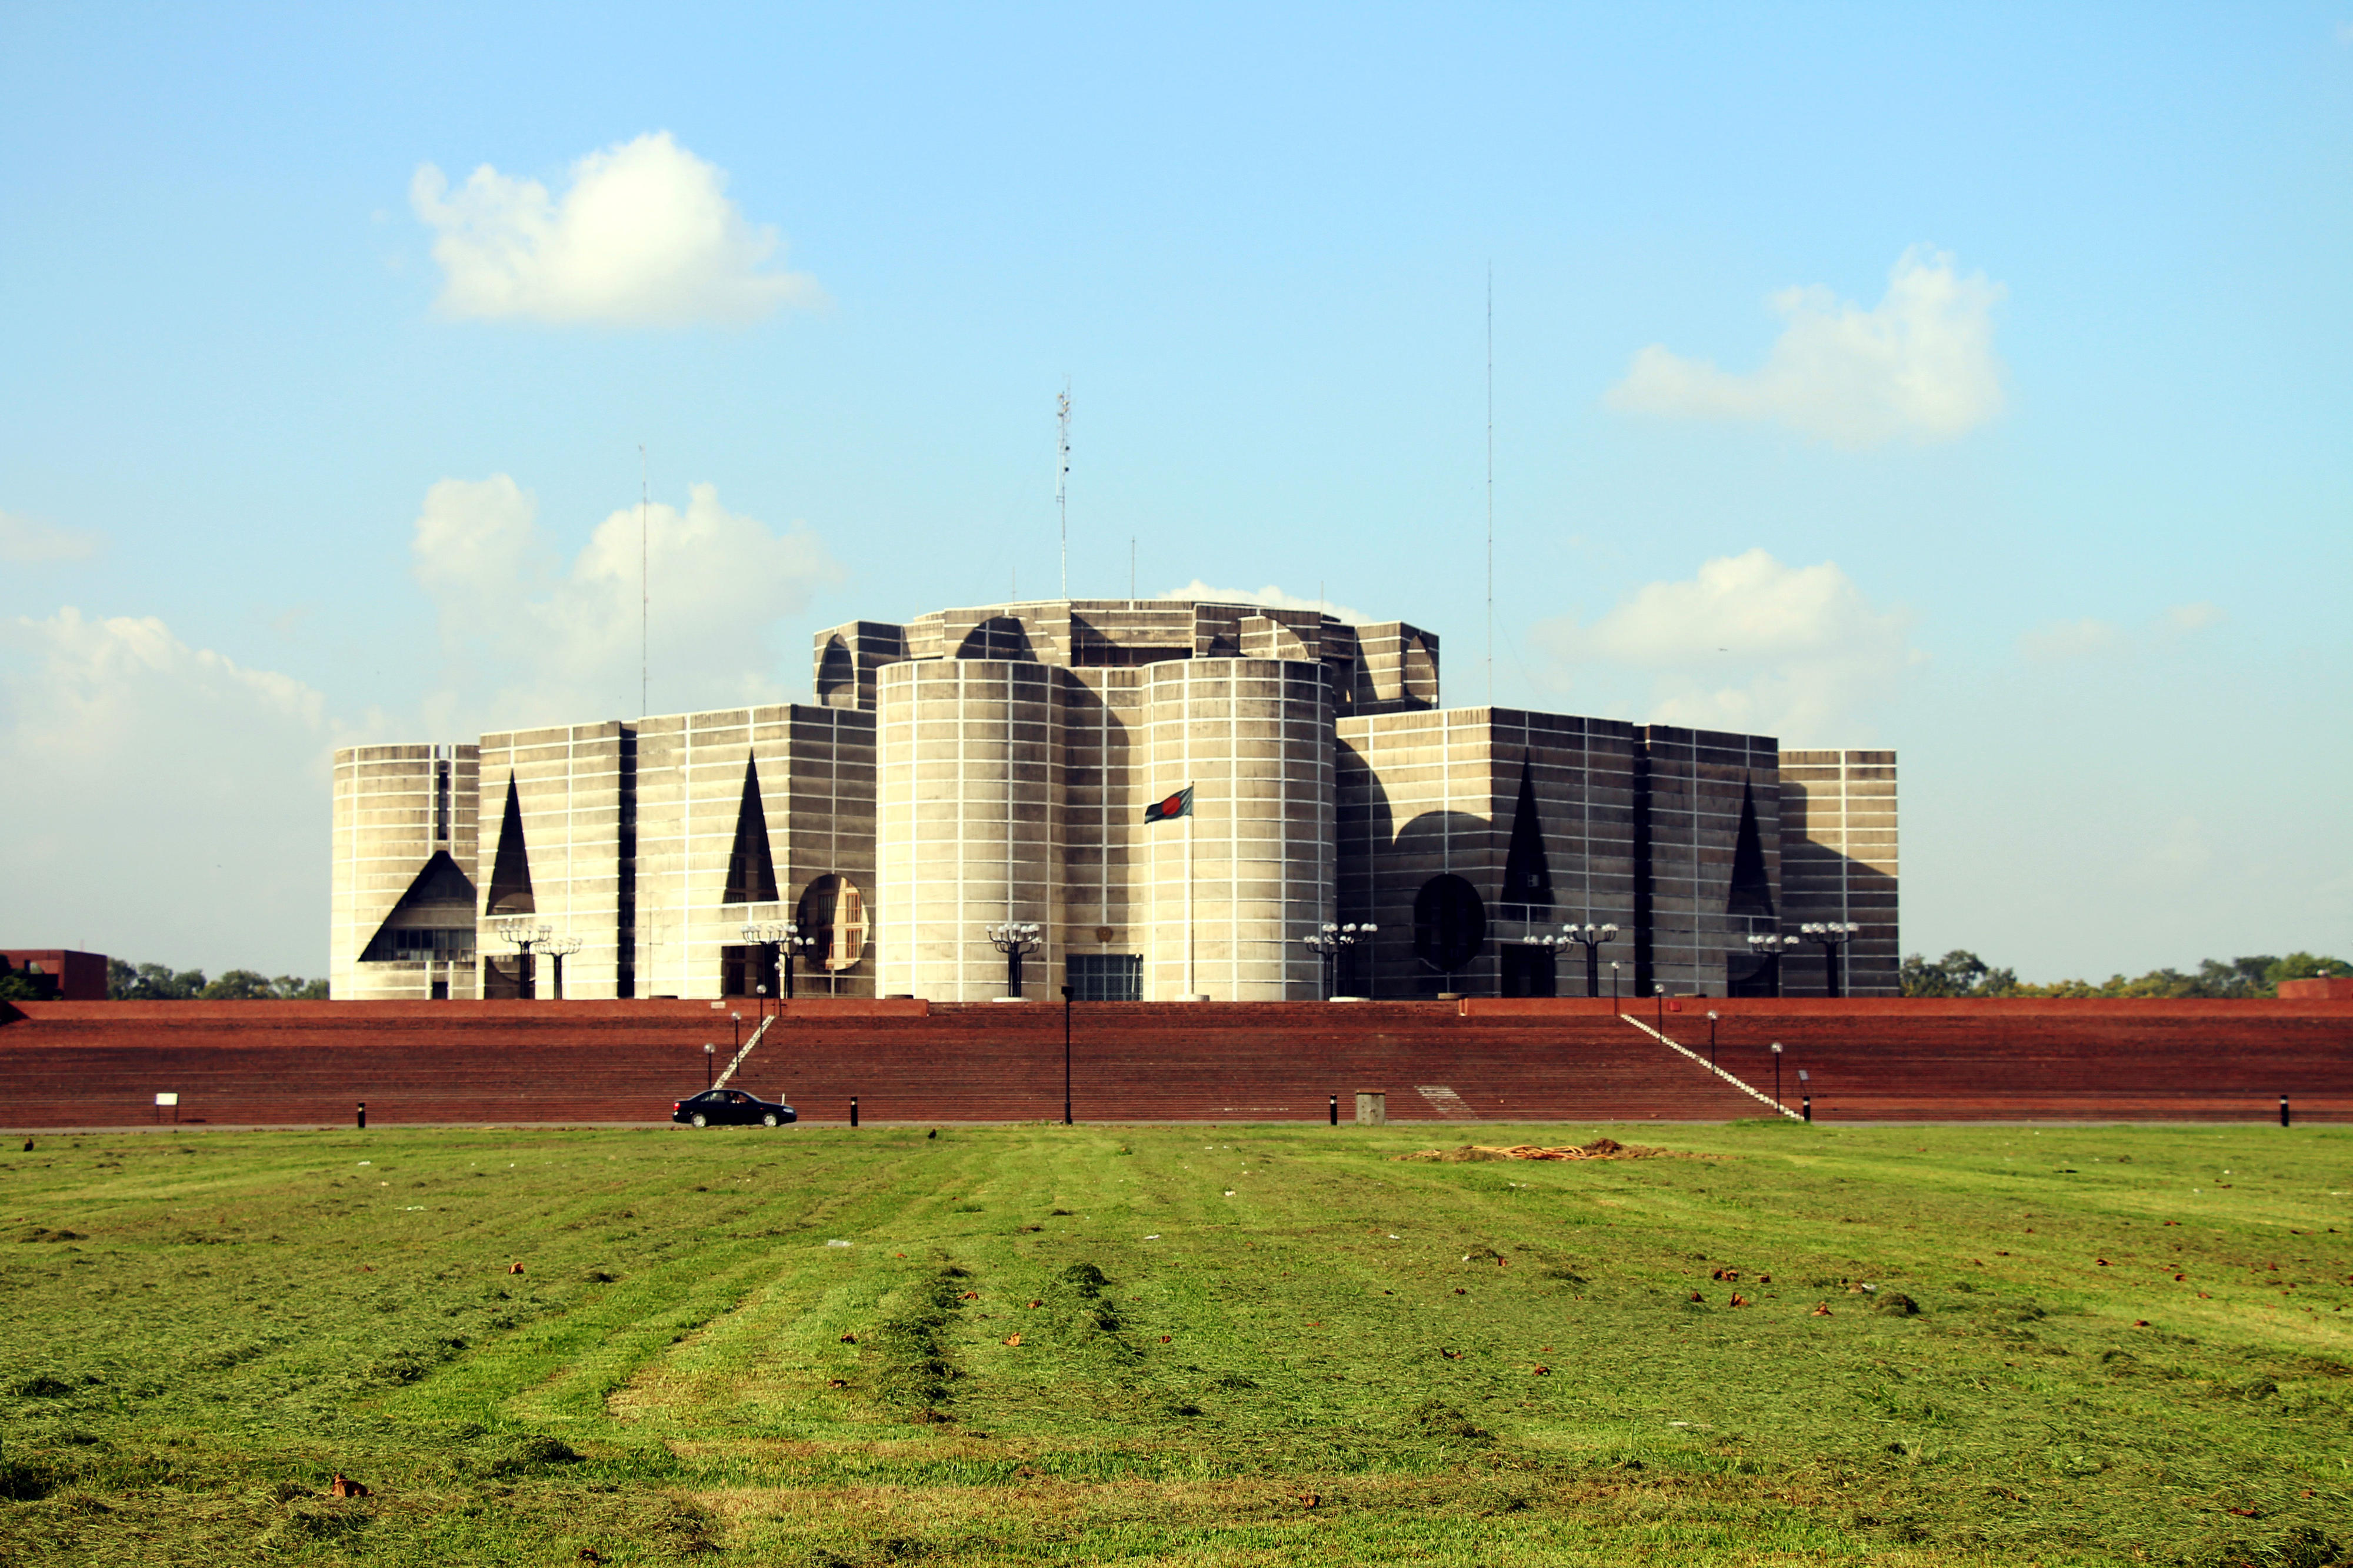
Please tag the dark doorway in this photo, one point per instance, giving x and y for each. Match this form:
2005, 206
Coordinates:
1752, 975
743, 970
512, 980
1450, 923
1528, 970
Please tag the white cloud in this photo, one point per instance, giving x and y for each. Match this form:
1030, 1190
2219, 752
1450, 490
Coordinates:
27, 543
2056, 641
1270, 597
1752, 646
2183, 620
535, 639
2071, 639
1920, 364
165, 802
644, 235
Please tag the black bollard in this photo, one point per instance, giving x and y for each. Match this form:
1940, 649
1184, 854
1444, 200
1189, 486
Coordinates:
2283, 1110
1810, 1110
1335, 1111
363, 1116
853, 1111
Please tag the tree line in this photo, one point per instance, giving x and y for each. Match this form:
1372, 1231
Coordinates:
160, 982
1963, 974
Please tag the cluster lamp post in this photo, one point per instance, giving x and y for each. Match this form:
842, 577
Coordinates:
1328, 942
1833, 935
785, 939
525, 935
1770, 948
1015, 939
1590, 937
559, 948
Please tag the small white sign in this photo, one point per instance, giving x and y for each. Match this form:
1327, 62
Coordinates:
167, 1100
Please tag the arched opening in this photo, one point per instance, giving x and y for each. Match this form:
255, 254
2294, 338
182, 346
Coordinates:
837, 676
832, 915
1450, 923
999, 636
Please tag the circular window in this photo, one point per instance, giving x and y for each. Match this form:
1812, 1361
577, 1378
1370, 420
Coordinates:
832, 914
1450, 923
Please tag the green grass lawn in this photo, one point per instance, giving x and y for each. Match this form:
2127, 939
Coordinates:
1241, 1344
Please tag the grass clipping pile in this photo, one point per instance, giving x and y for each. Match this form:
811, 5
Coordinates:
1600, 1149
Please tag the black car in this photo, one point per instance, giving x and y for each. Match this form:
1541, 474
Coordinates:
732, 1107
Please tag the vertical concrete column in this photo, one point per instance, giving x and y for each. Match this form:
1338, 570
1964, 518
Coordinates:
965, 821
1254, 739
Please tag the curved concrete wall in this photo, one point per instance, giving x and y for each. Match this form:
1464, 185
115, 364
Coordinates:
1253, 737
965, 824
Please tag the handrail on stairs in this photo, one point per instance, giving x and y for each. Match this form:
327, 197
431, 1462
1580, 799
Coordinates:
737, 1061
1740, 1084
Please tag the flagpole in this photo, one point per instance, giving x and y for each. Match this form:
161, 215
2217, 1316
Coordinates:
1191, 990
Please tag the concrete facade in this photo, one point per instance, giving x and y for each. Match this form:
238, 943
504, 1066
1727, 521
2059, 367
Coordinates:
1838, 809
396, 810
993, 765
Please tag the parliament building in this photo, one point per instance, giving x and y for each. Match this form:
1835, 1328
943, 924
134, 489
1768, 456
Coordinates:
974, 773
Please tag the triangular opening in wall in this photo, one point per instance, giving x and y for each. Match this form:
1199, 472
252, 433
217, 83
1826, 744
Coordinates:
440, 898
510, 872
751, 870
1528, 876
1752, 890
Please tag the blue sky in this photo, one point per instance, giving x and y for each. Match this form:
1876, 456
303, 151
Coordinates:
1978, 383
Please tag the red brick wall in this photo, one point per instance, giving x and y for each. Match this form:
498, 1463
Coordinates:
67, 1064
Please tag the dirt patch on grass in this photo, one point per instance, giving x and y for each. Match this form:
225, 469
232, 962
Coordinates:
1600, 1149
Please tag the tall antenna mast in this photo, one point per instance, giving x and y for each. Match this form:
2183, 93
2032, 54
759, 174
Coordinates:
1491, 484
645, 587
1062, 477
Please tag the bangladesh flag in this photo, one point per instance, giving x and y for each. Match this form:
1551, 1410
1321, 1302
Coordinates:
1175, 805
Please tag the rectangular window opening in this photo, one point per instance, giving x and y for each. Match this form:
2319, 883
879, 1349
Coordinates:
1106, 976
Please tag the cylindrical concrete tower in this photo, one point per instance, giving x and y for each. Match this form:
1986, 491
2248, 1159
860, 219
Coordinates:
965, 829
1253, 738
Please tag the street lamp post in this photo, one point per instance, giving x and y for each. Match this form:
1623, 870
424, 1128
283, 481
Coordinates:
524, 934
783, 939
1771, 949
1777, 1073
1590, 937
1066, 1056
1833, 935
1328, 942
709, 1051
1710, 1037
1014, 939
559, 948
1613, 982
735, 1031
1660, 992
